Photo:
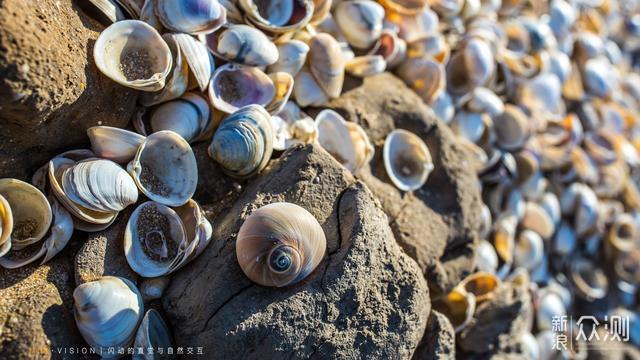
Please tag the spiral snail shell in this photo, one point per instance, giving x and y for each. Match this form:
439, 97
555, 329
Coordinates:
280, 244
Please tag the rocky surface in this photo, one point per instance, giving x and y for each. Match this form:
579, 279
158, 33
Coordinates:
50, 89
103, 253
438, 342
366, 299
436, 225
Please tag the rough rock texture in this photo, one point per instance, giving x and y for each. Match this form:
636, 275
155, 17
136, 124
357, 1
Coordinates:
436, 225
50, 89
498, 322
365, 300
36, 308
438, 342
103, 253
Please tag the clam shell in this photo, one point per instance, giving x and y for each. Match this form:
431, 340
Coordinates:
133, 54
459, 307
392, 48
345, 141
115, 144
177, 82
433, 46
291, 58
246, 45
535, 218
367, 65
511, 128
306, 90
469, 125
529, 250
165, 168
191, 16
243, 143
485, 100
486, 257
29, 210
198, 58
153, 333
235, 86
280, 244
407, 160
153, 288
549, 305
278, 16
107, 312
426, 77
6, 226
327, 64
504, 236
406, 7
581, 203
360, 21
105, 11
590, 281
283, 83
189, 116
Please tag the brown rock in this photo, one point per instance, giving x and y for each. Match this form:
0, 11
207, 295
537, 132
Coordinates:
50, 89
436, 225
365, 300
439, 341
36, 309
103, 253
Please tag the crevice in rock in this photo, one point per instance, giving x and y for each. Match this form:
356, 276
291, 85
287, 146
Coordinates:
237, 293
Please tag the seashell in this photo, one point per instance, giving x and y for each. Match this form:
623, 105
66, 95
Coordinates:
148, 15
601, 147
549, 305
283, 83
153, 333
527, 164
291, 58
133, 54
599, 77
189, 116
234, 14
278, 17
443, 107
469, 125
580, 202
486, 257
105, 11
485, 222
410, 27
366, 65
59, 235
573, 88
177, 82
542, 94
407, 160
280, 244
622, 236
625, 268
153, 288
27, 214
588, 279
306, 90
504, 236
321, 10
535, 218
511, 128
499, 167
530, 346
115, 144
560, 66
165, 168
426, 77
235, 86
6, 226
107, 312
470, 67
551, 204
247, 46
447, 8
191, 16
390, 47
198, 58
326, 64
529, 250
485, 100
243, 143
345, 141
406, 7
562, 15
99, 185
433, 46
360, 21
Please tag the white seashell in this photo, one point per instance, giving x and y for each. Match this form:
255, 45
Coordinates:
148, 15
115, 144
165, 168
443, 106
327, 64
198, 57
392, 48
551, 205
177, 82
360, 21
306, 90
153, 288
99, 185
535, 218
580, 202
6, 226
105, 11
191, 16
407, 160
366, 65
469, 125
281, 133
153, 333
27, 214
283, 85
485, 100
107, 312
292, 56
565, 241
529, 250
599, 77
235, 86
247, 46
133, 54
345, 141
549, 306
278, 17
531, 348
486, 257
189, 116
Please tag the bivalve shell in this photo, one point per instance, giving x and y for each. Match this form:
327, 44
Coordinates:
407, 160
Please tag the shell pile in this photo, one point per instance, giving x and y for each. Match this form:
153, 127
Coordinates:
542, 95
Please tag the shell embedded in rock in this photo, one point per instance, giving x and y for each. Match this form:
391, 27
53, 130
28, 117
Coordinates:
99, 185
291, 58
246, 45
165, 168
234, 86
327, 64
113, 143
191, 16
345, 141
278, 16
360, 21
107, 312
407, 160
243, 142
189, 116
28, 215
153, 333
133, 54
280, 244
